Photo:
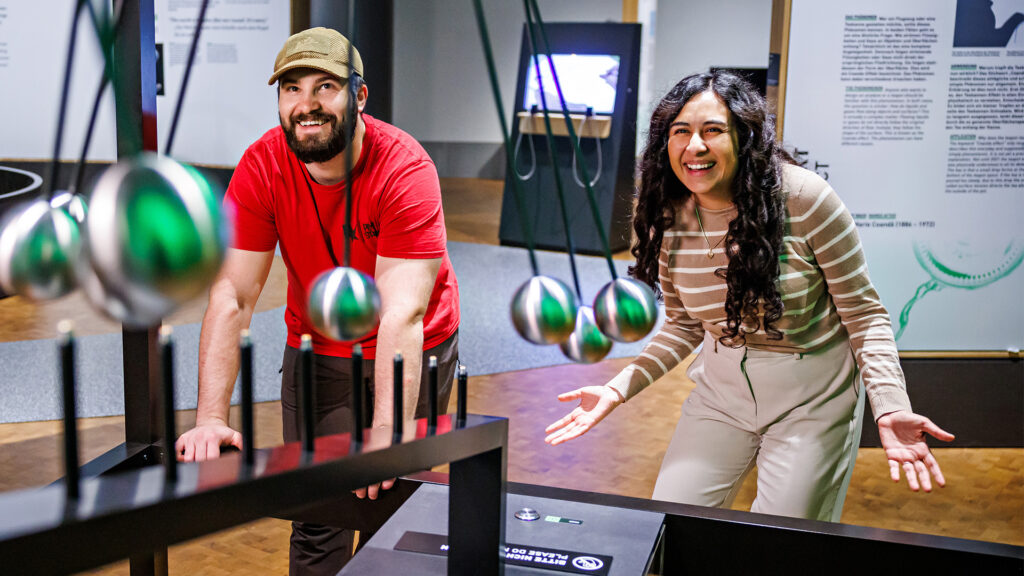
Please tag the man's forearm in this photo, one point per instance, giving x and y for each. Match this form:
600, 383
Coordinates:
219, 360
407, 338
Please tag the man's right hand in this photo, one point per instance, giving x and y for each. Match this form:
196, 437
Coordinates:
203, 442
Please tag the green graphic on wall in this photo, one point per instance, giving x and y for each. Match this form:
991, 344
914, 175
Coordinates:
957, 264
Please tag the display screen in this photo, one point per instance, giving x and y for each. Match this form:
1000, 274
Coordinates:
587, 81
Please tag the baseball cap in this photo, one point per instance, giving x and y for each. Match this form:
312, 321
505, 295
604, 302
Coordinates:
318, 48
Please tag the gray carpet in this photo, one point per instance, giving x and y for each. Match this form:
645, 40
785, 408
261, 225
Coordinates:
488, 276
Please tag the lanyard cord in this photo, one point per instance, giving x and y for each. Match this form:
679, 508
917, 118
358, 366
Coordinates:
323, 231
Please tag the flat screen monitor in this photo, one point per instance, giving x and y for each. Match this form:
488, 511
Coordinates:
587, 81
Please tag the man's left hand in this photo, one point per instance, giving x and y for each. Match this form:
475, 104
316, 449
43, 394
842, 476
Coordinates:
374, 490
902, 434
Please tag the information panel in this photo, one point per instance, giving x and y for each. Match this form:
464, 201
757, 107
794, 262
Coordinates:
913, 110
34, 39
228, 104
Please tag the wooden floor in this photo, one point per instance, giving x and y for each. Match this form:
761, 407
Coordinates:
984, 498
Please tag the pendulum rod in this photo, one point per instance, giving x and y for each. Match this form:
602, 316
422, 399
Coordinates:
569, 247
51, 184
307, 396
248, 429
184, 80
461, 397
72, 476
489, 57
351, 111
398, 416
432, 394
167, 377
357, 393
575, 142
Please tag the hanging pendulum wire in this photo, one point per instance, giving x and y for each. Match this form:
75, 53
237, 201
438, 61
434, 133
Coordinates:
599, 161
551, 152
105, 34
350, 116
533, 153
99, 25
575, 141
533, 158
184, 80
485, 39
905, 313
79, 174
46, 191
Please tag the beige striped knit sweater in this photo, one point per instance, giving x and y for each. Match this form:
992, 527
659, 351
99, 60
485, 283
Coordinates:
823, 282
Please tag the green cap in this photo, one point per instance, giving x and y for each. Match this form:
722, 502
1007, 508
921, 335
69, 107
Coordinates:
318, 48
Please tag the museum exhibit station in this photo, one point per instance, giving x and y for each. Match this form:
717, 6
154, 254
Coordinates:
577, 90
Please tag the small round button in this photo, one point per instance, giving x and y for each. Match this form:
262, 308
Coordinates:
527, 514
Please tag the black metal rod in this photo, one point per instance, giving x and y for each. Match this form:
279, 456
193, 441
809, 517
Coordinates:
399, 412
594, 209
432, 393
492, 73
461, 397
307, 392
67, 365
357, 393
184, 80
167, 383
248, 430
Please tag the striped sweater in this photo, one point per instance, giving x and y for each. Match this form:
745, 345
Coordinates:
823, 282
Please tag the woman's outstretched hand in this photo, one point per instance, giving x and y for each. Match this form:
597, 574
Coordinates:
596, 402
902, 434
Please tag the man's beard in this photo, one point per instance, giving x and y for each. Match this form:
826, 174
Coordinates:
312, 151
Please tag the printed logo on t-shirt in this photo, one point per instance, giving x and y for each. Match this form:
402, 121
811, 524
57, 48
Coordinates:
369, 230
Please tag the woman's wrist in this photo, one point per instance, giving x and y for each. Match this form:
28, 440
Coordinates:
619, 398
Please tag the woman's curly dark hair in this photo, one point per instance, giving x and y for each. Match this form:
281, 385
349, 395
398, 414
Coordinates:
754, 239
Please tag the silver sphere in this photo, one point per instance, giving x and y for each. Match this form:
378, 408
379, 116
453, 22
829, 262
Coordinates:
39, 246
544, 310
625, 310
155, 237
586, 344
344, 304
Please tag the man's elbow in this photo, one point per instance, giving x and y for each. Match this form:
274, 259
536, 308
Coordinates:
402, 317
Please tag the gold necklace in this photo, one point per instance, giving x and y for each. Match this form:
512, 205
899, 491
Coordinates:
711, 249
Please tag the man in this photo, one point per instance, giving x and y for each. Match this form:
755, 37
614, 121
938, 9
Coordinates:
289, 188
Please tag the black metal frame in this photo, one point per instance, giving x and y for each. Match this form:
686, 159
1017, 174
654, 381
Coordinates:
701, 540
118, 515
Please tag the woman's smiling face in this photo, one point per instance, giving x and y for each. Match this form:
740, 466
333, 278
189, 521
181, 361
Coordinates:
702, 149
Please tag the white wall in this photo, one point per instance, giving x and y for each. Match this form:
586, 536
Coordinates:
692, 36
441, 90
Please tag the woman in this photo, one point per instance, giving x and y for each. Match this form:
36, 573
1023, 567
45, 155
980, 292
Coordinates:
758, 259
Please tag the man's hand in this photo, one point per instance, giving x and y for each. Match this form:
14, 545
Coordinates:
902, 434
374, 490
204, 442
378, 439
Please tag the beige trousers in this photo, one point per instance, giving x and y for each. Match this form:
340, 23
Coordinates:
796, 416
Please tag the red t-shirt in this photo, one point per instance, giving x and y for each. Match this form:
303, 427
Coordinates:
396, 214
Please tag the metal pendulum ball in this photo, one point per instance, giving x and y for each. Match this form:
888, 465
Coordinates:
39, 245
344, 304
544, 310
586, 344
155, 237
625, 310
